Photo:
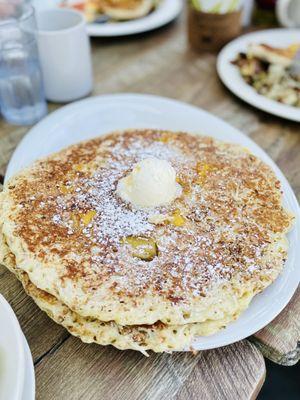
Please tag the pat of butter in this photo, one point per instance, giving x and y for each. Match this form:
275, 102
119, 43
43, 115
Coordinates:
151, 183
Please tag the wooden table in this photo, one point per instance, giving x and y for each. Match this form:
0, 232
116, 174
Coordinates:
161, 63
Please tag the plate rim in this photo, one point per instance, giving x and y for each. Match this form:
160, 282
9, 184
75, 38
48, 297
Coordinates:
248, 94
20, 379
134, 27
165, 13
288, 191
28, 392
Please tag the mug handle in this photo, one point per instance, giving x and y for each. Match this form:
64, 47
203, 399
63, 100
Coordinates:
282, 13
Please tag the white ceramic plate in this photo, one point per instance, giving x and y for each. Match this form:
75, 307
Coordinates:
12, 357
29, 379
230, 74
166, 12
99, 115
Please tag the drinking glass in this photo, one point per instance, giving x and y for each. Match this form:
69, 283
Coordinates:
22, 98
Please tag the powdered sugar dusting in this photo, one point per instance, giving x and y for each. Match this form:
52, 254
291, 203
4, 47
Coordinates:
211, 232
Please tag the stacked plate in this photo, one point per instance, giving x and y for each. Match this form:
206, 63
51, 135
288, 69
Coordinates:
99, 115
17, 380
166, 12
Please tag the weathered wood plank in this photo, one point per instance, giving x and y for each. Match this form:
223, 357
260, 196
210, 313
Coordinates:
9, 138
41, 332
280, 340
210, 379
80, 371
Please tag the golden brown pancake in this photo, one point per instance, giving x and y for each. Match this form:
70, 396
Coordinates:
223, 240
157, 337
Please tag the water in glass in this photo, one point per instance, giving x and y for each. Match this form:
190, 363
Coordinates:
22, 97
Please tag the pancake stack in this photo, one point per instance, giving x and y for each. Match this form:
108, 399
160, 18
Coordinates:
152, 278
120, 10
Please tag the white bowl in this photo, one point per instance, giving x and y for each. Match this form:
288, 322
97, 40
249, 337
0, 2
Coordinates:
12, 358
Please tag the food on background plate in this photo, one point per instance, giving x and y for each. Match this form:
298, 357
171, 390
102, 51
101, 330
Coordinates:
121, 10
115, 10
267, 70
115, 265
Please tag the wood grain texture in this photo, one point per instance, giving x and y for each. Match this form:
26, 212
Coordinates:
41, 332
280, 340
210, 380
160, 63
78, 371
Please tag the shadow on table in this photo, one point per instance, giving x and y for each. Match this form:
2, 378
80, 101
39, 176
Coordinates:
281, 383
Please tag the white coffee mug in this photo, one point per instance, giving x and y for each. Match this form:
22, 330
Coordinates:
288, 13
65, 54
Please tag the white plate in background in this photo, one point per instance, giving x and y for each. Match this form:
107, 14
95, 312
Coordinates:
12, 357
99, 115
29, 378
166, 12
231, 77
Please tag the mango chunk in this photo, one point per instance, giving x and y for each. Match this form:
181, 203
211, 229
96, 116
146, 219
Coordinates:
78, 167
177, 219
75, 218
203, 170
88, 217
165, 137
80, 219
143, 248
66, 189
